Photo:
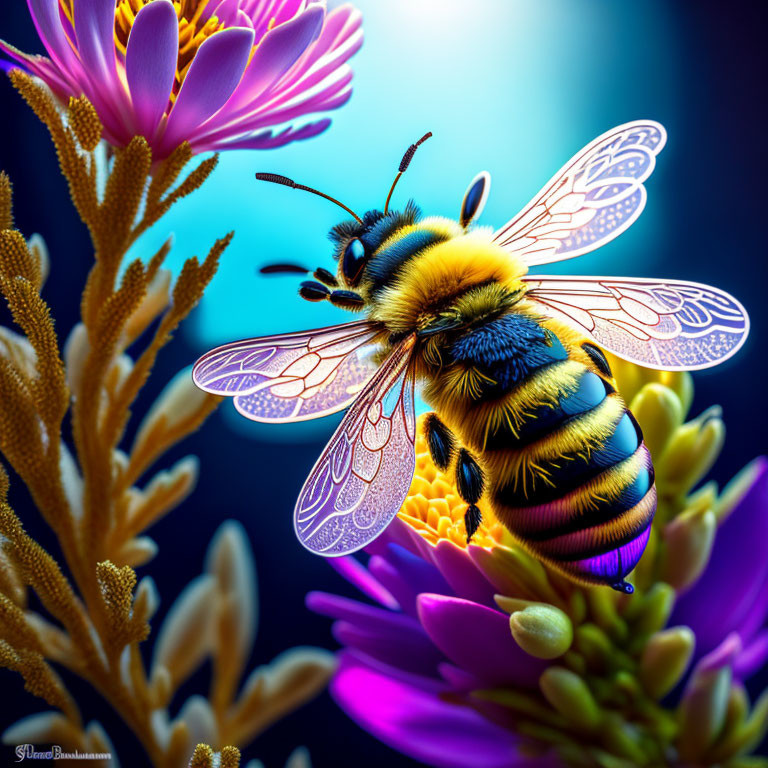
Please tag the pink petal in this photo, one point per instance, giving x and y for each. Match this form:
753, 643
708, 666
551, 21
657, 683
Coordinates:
461, 573
420, 724
45, 14
213, 76
356, 573
95, 30
150, 63
277, 52
479, 640
226, 11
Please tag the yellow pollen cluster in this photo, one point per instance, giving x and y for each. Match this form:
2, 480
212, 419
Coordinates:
434, 509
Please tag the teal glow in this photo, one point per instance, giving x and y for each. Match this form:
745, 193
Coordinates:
509, 86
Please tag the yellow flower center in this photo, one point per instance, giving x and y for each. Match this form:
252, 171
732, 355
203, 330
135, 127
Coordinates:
434, 509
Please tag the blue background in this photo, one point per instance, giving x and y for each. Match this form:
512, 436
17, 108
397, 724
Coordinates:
512, 87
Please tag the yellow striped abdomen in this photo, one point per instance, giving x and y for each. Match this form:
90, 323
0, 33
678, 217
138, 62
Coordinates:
568, 473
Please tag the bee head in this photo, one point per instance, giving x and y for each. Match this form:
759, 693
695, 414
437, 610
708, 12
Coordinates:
356, 241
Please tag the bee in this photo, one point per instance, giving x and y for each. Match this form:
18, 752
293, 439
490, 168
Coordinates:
526, 411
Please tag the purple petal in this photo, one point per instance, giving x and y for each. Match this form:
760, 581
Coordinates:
45, 14
150, 63
479, 640
407, 649
420, 724
462, 574
390, 636
95, 30
731, 587
212, 78
753, 657
369, 616
405, 575
227, 12
459, 678
355, 573
277, 52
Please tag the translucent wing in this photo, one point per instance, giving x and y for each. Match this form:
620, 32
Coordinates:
291, 377
363, 475
666, 324
591, 200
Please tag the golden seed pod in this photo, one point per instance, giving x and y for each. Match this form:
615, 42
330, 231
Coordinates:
569, 695
85, 123
689, 539
659, 412
542, 630
665, 659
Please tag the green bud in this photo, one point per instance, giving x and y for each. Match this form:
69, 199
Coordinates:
570, 696
594, 645
689, 539
512, 570
602, 604
703, 499
645, 571
524, 703
703, 711
542, 630
575, 662
577, 606
747, 734
690, 453
659, 412
665, 659
655, 609
623, 739
681, 383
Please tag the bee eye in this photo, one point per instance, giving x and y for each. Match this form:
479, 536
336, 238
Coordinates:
354, 261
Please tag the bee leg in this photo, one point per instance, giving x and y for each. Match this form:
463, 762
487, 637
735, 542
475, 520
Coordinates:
472, 519
441, 441
470, 483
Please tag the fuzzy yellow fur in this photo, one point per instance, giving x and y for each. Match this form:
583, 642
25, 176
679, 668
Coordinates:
475, 420
440, 273
528, 466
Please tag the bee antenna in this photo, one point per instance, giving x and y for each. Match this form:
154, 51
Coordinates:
283, 269
286, 182
404, 163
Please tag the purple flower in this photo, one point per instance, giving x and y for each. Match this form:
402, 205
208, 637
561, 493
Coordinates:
480, 656
731, 595
219, 74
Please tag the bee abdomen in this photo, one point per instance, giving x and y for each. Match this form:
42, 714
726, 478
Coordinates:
575, 482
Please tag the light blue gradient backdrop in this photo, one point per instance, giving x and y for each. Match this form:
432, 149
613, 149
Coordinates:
512, 87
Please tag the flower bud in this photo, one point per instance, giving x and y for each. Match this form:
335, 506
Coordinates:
690, 453
659, 413
705, 702
738, 487
689, 540
542, 630
665, 659
747, 734
655, 609
570, 696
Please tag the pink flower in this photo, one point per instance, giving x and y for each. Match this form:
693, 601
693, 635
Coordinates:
220, 74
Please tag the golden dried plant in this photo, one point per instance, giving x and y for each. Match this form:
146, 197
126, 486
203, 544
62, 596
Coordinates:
85, 484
